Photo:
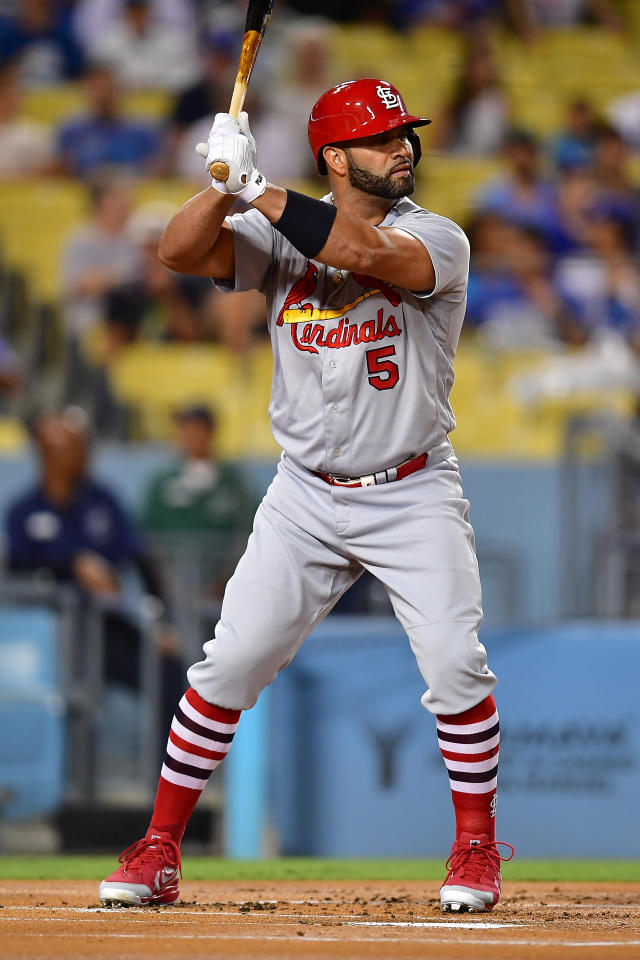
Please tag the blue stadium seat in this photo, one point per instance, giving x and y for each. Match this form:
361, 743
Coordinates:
32, 711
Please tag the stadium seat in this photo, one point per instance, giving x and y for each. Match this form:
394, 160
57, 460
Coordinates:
32, 711
53, 105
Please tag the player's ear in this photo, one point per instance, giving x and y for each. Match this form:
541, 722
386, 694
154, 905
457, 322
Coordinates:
336, 160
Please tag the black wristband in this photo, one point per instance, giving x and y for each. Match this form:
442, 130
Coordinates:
306, 223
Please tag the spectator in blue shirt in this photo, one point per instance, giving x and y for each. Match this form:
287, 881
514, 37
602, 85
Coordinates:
41, 34
73, 529
524, 196
512, 299
602, 282
574, 145
103, 135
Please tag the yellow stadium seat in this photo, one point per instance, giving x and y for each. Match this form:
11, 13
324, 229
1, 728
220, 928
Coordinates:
155, 379
449, 183
37, 216
53, 105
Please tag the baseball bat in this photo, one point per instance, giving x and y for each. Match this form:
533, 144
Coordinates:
258, 13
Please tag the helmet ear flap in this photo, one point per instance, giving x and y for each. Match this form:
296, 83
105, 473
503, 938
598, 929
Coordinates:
414, 140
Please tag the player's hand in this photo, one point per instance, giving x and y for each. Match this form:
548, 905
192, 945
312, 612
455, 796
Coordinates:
231, 142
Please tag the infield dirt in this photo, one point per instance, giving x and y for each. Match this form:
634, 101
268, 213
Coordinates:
43, 920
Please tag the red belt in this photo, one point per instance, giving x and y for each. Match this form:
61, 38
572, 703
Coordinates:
403, 470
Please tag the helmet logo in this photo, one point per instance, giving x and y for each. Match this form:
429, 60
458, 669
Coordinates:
390, 100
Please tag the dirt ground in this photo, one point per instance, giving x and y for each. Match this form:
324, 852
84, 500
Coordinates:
40, 920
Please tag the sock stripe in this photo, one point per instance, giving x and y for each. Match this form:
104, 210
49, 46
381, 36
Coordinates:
478, 727
180, 780
209, 710
473, 748
472, 764
188, 769
190, 737
481, 776
469, 737
203, 763
191, 748
475, 788
215, 725
200, 730
477, 757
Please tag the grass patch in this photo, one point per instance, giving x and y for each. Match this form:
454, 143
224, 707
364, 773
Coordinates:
317, 870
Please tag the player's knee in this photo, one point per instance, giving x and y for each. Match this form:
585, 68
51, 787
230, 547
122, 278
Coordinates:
454, 665
232, 677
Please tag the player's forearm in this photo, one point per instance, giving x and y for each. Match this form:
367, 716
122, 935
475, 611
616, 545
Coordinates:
191, 234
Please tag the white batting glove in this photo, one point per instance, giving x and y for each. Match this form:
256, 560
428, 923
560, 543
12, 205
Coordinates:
231, 142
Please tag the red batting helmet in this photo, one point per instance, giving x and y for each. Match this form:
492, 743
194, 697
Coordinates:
359, 108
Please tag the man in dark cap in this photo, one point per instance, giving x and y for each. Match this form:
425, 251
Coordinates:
200, 501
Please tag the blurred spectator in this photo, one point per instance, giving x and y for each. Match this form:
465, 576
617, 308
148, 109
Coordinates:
26, 147
574, 145
146, 53
512, 299
205, 98
91, 18
103, 135
524, 196
41, 34
612, 174
454, 14
536, 15
157, 303
287, 105
575, 197
99, 255
624, 114
10, 375
278, 115
199, 494
474, 121
238, 318
200, 498
73, 528
603, 283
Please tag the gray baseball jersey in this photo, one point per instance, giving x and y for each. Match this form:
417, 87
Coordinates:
362, 370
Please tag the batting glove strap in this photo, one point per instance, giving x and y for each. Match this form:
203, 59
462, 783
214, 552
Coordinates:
255, 187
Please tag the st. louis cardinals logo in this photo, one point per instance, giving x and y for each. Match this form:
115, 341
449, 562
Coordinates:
390, 100
297, 308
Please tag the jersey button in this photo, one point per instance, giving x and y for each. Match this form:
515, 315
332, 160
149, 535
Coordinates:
335, 408
336, 452
334, 363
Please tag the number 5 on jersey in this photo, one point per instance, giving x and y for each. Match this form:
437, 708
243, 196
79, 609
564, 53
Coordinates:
383, 373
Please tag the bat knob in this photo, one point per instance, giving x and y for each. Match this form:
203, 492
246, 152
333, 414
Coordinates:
219, 170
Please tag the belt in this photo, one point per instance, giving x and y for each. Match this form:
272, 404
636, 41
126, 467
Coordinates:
403, 470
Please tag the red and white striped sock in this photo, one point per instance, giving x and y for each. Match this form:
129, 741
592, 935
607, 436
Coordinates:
199, 739
470, 744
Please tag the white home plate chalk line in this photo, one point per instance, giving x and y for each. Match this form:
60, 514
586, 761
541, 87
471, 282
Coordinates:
133, 914
164, 935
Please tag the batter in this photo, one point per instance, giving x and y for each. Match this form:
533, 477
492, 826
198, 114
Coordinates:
366, 295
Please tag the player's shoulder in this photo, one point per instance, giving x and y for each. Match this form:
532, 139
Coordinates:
408, 210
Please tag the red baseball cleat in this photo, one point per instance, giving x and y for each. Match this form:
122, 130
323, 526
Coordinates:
473, 881
148, 876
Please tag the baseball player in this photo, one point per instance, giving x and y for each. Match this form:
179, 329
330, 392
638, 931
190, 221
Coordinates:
366, 295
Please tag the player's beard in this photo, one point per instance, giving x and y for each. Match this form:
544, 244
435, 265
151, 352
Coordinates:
388, 187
